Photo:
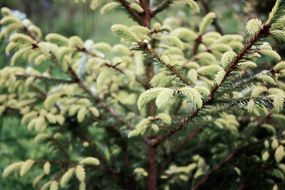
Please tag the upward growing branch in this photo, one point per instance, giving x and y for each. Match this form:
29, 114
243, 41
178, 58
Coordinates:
263, 32
170, 68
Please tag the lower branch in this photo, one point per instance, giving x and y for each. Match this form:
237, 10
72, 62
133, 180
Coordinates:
179, 145
214, 169
230, 155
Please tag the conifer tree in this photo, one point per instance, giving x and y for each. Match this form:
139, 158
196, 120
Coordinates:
173, 106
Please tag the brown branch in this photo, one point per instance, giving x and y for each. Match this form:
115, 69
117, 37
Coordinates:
197, 43
115, 67
84, 50
130, 11
42, 78
31, 34
81, 84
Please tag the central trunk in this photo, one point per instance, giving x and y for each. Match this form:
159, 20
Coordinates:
149, 72
152, 170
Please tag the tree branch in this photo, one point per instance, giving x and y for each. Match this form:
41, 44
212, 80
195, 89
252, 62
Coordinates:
214, 169
116, 115
263, 32
179, 145
163, 5
130, 11
61, 148
42, 78
230, 155
171, 68
197, 43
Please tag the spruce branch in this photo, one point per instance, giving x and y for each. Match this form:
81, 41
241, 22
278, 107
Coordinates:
85, 88
80, 82
76, 79
109, 65
231, 85
169, 67
83, 50
263, 32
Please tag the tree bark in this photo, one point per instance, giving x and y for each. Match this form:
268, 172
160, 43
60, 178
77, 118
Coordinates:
152, 170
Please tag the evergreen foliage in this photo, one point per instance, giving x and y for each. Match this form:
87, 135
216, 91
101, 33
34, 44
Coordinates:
170, 107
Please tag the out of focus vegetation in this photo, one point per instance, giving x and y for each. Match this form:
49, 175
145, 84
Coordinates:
78, 19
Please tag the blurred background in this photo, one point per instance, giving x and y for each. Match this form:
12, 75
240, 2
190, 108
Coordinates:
68, 18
